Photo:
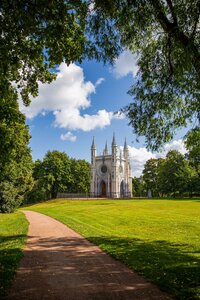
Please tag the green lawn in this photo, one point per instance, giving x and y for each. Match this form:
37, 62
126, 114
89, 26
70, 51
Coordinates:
160, 239
13, 230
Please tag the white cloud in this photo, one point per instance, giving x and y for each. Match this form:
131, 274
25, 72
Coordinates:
174, 145
72, 119
68, 137
138, 157
66, 97
99, 81
126, 63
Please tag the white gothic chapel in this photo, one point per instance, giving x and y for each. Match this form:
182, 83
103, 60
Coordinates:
111, 173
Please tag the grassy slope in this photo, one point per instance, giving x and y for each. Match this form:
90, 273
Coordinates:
158, 238
13, 230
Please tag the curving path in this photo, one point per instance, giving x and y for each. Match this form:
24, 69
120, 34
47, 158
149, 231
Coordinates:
60, 264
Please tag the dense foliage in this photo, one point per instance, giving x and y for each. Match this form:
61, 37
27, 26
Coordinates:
80, 170
58, 173
174, 175
138, 187
36, 36
166, 37
15, 157
192, 144
150, 175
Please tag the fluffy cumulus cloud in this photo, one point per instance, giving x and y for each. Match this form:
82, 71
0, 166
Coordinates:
66, 97
174, 145
68, 137
126, 63
138, 157
71, 119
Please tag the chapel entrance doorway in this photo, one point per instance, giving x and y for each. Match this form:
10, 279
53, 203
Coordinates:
103, 188
122, 189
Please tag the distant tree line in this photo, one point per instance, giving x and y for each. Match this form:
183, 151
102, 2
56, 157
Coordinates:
58, 173
25, 181
175, 175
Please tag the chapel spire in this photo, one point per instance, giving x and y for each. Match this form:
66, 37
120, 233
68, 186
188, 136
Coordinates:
114, 141
125, 145
106, 149
93, 152
93, 144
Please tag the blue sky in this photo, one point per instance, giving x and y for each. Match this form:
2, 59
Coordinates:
80, 104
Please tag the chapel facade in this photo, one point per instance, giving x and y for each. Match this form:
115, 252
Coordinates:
111, 172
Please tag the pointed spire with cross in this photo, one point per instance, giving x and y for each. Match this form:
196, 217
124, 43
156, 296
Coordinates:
113, 141
93, 152
93, 144
125, 150
125, 144
106, 149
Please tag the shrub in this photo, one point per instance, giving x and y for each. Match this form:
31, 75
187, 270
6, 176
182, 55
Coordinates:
10, 198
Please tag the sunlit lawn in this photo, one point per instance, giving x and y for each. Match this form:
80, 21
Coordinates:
13, 230
160, 239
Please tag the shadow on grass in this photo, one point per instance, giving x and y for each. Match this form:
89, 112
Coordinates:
72, 268
10, 257
172, 267
76, 270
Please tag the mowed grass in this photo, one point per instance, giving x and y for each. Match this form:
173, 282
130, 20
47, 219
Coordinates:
160, 239
13, 231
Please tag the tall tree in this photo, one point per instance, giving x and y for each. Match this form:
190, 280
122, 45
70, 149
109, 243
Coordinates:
150, 175
54, 173
175, 174
139, 188
58, 173
15, 156
192, 144
80, 171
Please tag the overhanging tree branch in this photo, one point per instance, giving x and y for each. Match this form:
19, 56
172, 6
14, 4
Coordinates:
179, 36
169, 2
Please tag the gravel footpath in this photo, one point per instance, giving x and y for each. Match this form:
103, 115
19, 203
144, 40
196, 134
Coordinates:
60, 264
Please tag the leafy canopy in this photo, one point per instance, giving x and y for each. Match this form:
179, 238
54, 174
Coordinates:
38, 35
58, 173
175, 175
53, 173
15, 156
192, 144
150, 174
166, 37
